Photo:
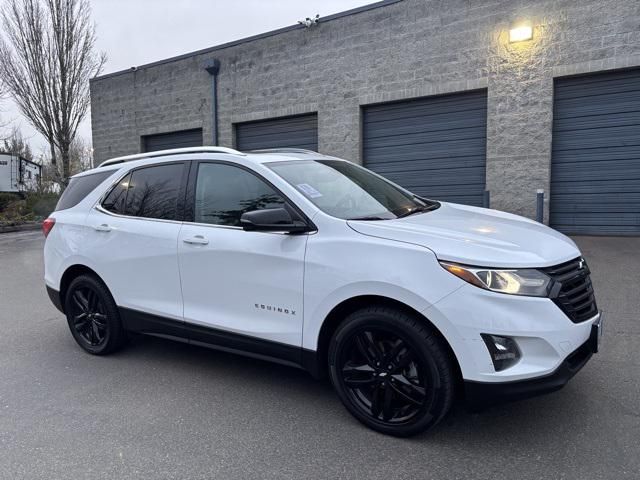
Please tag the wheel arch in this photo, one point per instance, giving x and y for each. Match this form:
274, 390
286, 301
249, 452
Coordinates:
337, 315
69, 274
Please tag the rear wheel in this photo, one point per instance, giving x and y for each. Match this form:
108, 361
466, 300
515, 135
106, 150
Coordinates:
93, 316
390, 371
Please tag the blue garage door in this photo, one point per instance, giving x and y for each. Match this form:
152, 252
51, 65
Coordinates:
435, 147
595, 169
300, 131
165, 141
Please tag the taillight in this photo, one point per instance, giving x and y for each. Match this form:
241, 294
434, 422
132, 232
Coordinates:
47, 225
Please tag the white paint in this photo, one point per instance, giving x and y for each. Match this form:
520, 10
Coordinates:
226, 278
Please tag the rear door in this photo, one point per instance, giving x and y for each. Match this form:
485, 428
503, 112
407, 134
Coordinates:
241, 289
133, 238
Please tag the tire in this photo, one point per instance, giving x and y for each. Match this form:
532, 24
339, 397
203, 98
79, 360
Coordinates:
390, 371
93, 316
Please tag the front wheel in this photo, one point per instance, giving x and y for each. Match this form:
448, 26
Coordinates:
390, 371
93, 316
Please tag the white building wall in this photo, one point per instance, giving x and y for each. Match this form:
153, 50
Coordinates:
10, 180
6, 164
30, 176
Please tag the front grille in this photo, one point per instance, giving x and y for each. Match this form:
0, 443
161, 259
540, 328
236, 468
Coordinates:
572, 290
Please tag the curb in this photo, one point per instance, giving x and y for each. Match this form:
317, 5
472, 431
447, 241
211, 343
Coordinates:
20, 228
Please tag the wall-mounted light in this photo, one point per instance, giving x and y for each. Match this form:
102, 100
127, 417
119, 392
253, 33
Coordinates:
520, 32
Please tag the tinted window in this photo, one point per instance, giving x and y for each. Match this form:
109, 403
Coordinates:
79, 188
153, 192
224, 193
115, 201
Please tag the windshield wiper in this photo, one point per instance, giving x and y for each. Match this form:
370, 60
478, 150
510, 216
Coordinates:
419, 209
370, 217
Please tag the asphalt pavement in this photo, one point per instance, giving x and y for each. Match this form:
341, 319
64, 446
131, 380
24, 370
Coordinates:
165, 410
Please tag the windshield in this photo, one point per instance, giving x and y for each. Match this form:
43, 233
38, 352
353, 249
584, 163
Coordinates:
345, 190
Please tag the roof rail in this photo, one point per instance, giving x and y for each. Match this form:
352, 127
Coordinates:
284, 150
173, 151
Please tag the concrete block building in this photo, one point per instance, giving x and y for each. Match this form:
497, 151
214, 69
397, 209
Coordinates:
447, 98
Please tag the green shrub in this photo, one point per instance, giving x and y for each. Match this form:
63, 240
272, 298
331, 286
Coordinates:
13, 213
16, 209
41, 204
6, 198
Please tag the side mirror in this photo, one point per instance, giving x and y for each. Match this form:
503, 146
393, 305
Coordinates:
271, 220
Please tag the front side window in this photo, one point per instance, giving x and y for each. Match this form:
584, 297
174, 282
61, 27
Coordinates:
152, 192
347, 191
224, 193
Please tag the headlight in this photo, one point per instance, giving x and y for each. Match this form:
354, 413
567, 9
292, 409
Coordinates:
526, 281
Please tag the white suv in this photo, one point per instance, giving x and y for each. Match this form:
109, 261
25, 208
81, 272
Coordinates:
312, 261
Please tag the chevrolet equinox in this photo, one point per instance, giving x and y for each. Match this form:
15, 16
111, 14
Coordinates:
405, 303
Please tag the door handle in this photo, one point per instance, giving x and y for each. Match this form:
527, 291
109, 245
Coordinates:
102, 228
196, 240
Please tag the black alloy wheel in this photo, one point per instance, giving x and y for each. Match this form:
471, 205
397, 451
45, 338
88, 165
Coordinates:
93, 316
391, 372
89, 317
384, 377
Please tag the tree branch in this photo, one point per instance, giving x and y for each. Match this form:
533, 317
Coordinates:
47, 57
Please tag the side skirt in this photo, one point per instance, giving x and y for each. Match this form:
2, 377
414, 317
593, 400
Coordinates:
157, 326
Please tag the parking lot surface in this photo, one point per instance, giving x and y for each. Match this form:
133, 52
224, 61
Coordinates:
165, 410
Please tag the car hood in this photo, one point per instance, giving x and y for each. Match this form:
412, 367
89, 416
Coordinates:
476, 236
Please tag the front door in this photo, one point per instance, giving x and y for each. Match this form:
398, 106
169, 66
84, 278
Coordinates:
241, 289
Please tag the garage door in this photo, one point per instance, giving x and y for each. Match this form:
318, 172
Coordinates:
165, 141
286, 132
435, 147
595, 168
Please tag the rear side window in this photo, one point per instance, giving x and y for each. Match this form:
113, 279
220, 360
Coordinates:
116, 200
152, 192
79, 188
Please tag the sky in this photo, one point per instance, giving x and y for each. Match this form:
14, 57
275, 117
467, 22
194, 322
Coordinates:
135, 32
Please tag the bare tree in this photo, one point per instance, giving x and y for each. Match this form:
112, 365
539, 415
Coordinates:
80, 156
3, 95
16, 144
47, 56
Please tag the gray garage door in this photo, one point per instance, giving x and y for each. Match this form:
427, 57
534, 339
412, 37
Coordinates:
435, 147
291, 132
164, 141
595, 169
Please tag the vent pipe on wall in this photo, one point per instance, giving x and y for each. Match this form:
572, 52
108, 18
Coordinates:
212, 66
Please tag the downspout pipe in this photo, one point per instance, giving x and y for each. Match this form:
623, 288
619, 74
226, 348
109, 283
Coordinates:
540, 205
212, 66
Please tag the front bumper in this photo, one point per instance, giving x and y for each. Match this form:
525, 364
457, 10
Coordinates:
545, 336
480, 395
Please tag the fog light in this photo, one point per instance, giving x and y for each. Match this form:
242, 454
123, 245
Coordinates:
504, 351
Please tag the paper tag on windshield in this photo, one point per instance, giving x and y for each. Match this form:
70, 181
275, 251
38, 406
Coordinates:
308, 190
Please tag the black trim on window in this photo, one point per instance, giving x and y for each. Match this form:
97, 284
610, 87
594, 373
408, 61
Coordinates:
180, 208
191, 191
